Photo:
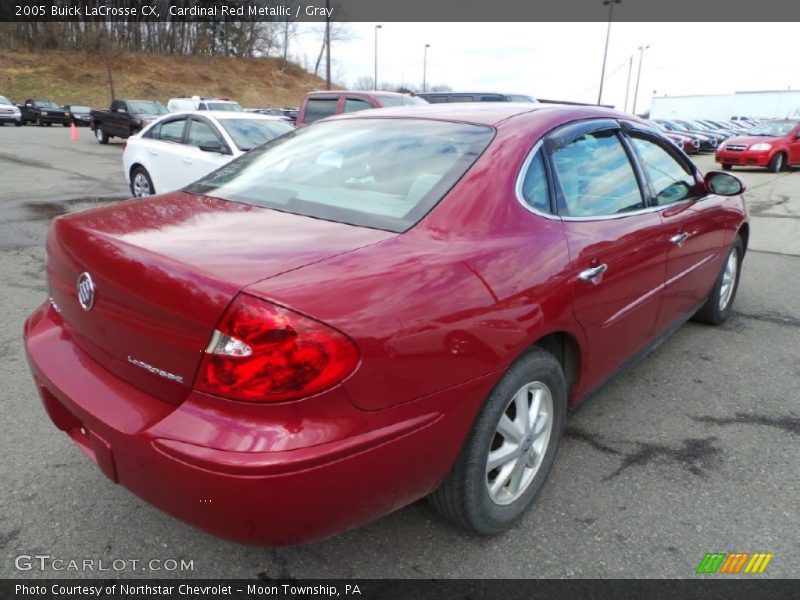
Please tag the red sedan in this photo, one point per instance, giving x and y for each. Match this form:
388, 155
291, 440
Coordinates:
374, 309
771, 144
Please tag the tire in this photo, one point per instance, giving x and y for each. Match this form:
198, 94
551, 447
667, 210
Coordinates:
18, 123
465, 497
139, 179
66, 124
777, 163
101, 135
719, 303
48, 124
727, 167
39, 121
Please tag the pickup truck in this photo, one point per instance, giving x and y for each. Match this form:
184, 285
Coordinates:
43, 112
124, 118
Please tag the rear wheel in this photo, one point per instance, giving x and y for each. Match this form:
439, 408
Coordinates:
719, 304
101, 135
777, 163
141, 184
510, 450
727, 167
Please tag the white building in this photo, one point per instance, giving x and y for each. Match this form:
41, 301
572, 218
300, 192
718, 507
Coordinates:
776, 104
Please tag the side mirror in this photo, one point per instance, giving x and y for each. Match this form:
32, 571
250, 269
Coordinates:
724, 184
213, 146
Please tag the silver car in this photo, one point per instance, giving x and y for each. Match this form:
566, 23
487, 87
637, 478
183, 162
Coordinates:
9, 113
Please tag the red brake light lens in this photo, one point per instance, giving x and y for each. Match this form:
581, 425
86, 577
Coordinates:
261, 352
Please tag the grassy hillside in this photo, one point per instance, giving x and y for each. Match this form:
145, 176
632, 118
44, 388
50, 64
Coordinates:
80, 78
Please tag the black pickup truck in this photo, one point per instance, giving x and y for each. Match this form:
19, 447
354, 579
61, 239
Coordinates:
124, 118
43, 112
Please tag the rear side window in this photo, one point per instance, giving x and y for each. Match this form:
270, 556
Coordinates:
596, 177
492, 98
671, 182
170, 131
534, 185
319, 108
462, 98
355, 105
382, 173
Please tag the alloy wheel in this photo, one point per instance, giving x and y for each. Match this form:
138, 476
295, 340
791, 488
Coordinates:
519, 443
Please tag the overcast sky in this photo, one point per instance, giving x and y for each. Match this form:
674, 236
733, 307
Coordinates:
563, 60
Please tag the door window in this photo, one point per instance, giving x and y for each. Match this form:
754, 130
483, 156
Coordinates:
596, 177
671, 181
319, 108
201, 132
356, 104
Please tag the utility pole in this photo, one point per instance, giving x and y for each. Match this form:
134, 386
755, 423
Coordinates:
375, 81
327, 45
425, 67
628, 85
610, 4
639, 75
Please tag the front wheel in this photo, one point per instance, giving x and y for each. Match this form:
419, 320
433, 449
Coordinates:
101, 135
719, 304
510, 450
39, 122
141, 184
776, 164
727, 167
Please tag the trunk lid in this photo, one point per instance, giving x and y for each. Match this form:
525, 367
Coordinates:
164, 270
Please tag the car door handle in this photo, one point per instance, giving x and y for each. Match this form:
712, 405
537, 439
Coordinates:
589, 274
679, 238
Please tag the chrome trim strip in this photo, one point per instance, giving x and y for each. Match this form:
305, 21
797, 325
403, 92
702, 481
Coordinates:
685, 272
629, 308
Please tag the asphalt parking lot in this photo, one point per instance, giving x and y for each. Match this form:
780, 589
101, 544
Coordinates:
695, 450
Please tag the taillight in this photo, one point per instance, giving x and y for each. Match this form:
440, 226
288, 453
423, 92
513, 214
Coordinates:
261, 352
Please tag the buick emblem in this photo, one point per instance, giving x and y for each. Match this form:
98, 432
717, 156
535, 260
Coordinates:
85, 291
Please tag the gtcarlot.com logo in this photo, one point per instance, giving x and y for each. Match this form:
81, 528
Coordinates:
734, 563
46, 562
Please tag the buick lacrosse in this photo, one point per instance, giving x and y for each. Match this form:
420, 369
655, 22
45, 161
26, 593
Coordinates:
377, 308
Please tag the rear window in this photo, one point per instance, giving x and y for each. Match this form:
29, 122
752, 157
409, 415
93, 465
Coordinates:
229, 106
249, 133
319, 108
381, 173
400, 100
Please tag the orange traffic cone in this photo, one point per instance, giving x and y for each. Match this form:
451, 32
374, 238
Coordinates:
73, 133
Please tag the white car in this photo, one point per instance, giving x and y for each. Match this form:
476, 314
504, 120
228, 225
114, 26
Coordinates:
181, 148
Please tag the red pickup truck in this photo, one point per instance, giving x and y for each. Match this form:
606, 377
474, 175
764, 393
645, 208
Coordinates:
772, 144
318, 105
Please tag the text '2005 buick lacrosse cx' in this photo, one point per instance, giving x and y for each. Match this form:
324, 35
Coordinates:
379, 307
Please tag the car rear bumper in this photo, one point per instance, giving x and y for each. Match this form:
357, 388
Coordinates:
253, 475
745, 158
58, 119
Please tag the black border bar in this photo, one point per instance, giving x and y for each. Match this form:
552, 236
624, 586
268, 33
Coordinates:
709, 11
745, 588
